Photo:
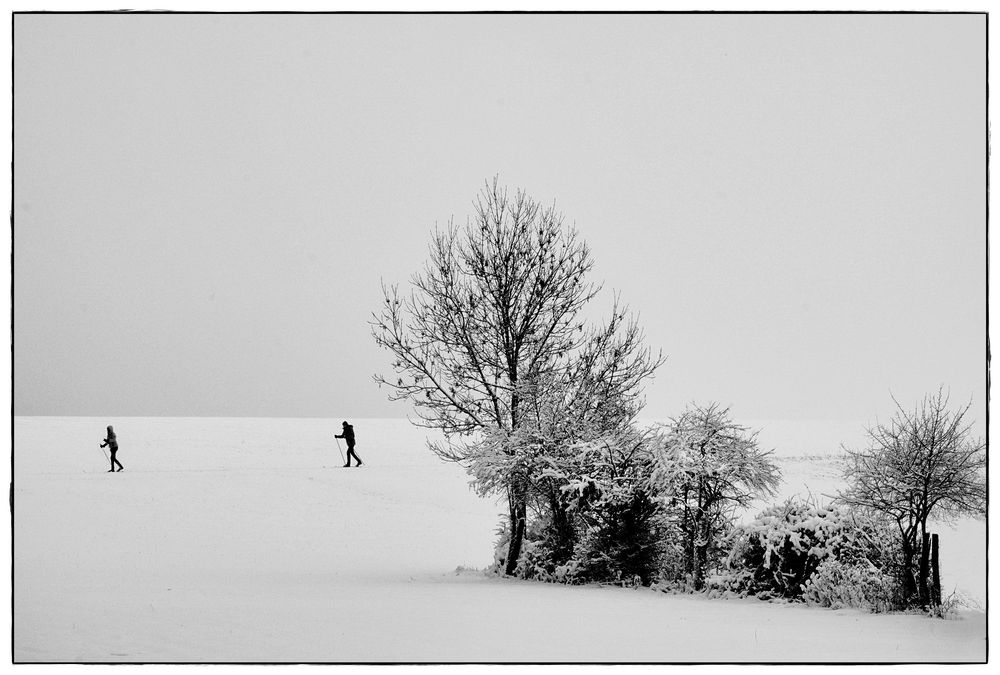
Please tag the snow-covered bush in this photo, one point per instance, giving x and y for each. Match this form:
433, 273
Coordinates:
675, 562
622, 544
783, 552
535, 562
591, 517
779, 550
838, 584
538, 559
948, 609
597, 499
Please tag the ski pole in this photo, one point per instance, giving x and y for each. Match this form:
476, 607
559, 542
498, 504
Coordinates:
104, 453
338, 448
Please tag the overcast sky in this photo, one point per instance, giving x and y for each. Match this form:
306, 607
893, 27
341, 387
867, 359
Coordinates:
204, 206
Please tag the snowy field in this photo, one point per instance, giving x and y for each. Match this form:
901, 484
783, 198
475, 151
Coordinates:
242, 540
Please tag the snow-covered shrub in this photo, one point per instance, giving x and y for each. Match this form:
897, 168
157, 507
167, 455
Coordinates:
839, 584
623, 543
783, 550
598, 494
569, 573
535, 562
783, 547
675, 560
949, 606
538, 560
738, 581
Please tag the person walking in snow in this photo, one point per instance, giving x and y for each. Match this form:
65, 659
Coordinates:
348, 436
112, 443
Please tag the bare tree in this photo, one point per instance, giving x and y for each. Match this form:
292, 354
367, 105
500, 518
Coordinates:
495, 310
712, 467
919, 464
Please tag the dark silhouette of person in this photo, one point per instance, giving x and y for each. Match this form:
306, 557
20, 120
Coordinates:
348, 436
112, 443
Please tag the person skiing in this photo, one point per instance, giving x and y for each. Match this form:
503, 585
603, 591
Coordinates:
112, 443
348, 436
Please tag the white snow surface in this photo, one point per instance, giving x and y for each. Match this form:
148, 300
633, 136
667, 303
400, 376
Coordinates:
243, 540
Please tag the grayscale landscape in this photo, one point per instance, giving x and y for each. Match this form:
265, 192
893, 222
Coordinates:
648, 338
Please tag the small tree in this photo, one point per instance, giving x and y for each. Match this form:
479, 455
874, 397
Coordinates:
918, 464
711, 467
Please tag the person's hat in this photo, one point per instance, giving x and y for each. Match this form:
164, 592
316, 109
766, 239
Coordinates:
346, 424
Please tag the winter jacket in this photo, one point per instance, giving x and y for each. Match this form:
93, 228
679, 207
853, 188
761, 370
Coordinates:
348, 435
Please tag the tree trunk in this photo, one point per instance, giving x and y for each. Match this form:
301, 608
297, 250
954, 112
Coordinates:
562, 532
517, 496
518, 517
700, 550
935, 573
908, 581
701, 562
690, 537
923, 587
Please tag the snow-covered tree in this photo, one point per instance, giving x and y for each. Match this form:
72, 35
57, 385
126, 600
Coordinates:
490, 338
919, 464
573, 422
708, 467
591, 403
